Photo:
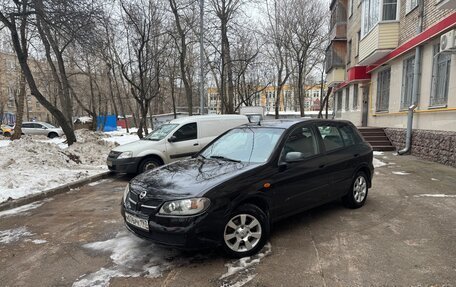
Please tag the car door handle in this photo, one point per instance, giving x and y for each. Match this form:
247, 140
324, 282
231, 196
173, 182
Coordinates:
196, 144
356, 155
322, 166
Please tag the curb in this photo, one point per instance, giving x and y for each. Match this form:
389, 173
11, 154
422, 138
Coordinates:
53, 191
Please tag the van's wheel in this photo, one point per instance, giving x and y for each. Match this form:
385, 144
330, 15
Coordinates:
52, 135
148, 164
357, 195
245, 232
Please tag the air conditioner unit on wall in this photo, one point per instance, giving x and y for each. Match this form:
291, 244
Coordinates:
448, 41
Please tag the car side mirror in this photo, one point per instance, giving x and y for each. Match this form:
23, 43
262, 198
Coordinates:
44, 128
172, 139
293, 156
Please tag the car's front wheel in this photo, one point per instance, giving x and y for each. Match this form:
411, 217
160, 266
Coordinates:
148, 164
52, 135
357, 195
246, 231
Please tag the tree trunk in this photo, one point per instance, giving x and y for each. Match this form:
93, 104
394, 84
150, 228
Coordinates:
20, 109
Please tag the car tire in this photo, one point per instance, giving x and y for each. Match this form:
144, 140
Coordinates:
52, 135
7, 134
148, 164
357, 195
248, 223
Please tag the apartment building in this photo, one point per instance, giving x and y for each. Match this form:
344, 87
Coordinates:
373, 75
10, 81
266, 97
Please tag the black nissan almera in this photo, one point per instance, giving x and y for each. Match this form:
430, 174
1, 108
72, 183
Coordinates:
231, 192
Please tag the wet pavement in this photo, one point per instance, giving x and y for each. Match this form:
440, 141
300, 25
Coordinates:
405, 235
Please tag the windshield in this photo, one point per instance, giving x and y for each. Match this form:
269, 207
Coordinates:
161, 132
244, 145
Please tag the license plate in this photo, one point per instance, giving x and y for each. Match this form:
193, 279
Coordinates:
136, 221
109, 163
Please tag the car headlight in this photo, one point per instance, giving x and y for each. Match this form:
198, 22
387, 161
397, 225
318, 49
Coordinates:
184, 207
126, 191
126, 154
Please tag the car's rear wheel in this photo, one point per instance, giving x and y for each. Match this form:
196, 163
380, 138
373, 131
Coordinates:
357, 195
7, 134
246, 231
148, 164
52, 135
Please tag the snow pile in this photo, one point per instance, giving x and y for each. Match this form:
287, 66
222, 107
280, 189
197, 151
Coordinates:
34, 164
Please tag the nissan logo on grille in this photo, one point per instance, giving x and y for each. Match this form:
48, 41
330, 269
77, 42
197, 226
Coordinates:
143, 194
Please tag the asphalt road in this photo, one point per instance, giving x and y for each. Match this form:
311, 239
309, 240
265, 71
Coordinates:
405, 235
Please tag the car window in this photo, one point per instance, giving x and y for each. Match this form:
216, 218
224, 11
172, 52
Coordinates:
301, 140
331, 137
348, 135
27, 126
186, 132
37, 126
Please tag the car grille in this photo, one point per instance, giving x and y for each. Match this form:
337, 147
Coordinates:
114, 154
146, 206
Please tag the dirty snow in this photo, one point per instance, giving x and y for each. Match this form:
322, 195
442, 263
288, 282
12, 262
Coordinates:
378, 153
378, 163
437, 195
13, 235
4, 143
131, 257
400, 173
106, 180
35, 164
434, 179
22, 210
241, 271
39, 241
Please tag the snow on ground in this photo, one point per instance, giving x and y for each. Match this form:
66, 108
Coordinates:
13, 235
400, 173
437, 195
378, 163
131, 257
241, 271
378, 153
34, 164
4, 143
22, 210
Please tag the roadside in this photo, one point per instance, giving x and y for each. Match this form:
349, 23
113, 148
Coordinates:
403, 236
36, 164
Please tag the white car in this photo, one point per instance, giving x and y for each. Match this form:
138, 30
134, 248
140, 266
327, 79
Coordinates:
176, 140
41, 128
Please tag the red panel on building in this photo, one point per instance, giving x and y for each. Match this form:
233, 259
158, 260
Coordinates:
357, 74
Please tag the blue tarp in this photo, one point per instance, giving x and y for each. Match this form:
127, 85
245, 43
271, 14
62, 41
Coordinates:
109, 122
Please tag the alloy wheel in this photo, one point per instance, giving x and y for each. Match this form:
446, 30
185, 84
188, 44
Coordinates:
360, 189
242, 233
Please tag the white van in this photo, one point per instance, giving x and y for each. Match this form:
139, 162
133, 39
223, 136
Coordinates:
176, 140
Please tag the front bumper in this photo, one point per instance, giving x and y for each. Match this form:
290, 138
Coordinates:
196, 232
127, 165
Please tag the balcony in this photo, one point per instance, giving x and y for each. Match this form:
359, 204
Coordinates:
445, 4
335, 55
335, 77
378, 43
338, 21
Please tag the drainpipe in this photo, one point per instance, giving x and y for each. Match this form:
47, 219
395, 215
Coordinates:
415, 87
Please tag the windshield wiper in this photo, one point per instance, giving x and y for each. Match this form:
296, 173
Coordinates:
224, 158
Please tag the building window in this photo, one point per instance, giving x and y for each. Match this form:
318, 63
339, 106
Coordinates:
389, 10
347, 99
350, 8
349, 51
407, 82
375, 11
355, 96
440, 78
383, 90
357, 43
410, 5
339, 101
